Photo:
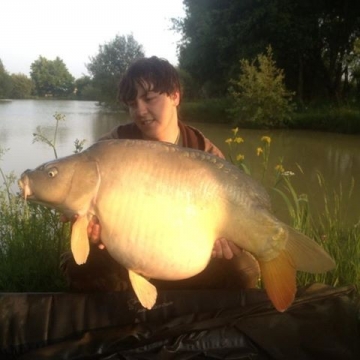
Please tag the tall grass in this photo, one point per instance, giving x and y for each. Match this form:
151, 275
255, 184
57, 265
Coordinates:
328, 227
31, 236
31, 241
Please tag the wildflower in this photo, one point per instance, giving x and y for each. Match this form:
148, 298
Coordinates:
229, 141
235, 131
279, 168
259, 151
238, 140
266, 139
287, 173
240, 157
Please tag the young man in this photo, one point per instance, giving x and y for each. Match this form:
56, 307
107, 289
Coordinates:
151, 90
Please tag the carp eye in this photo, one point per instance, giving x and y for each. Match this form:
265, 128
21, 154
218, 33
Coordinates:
52, 172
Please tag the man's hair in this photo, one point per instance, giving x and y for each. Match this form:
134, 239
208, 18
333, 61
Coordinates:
155, 72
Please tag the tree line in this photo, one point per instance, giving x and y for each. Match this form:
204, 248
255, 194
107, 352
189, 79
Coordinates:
315, 43
51, 78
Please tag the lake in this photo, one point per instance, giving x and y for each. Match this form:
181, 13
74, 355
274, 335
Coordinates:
336, 156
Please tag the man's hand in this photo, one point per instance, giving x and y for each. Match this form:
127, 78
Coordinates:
225, 249
93, 229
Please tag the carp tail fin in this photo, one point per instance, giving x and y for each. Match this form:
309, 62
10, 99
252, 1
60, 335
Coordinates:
279, 278
279, 274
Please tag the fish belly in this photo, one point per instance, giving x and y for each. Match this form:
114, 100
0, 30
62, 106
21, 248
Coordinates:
158, 236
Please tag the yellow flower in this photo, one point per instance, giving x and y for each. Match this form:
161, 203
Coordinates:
279, 168
240, 157
229, 141
266, 139
259, 151
238, 140
235, 131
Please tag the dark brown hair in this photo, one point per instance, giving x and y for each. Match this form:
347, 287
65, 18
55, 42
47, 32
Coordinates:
155, 72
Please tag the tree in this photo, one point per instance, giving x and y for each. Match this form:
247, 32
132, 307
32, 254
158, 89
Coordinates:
85, 89
212, 41
259, 94
111, 63
22, 86
5, 82
51, 77
311, 41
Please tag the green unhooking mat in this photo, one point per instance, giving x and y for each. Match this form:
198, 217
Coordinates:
322, 323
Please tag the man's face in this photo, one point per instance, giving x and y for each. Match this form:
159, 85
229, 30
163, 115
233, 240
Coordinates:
154, 113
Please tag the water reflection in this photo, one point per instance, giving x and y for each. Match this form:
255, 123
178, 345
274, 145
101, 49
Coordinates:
336, 156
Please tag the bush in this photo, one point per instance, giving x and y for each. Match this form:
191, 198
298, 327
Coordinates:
259, 94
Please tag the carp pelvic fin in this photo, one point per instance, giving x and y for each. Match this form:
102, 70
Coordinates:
80, 247
144, 290
279, 277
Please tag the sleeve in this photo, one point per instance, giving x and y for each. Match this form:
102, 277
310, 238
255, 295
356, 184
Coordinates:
212, 149
195, 139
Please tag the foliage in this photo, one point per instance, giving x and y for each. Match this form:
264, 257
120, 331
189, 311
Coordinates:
32, 238
31, 243
85, 89
22, 86
328, 227
40, 137
343, 119
111, 63
5, 82
260, 94
51, 77
207, 111
312, 41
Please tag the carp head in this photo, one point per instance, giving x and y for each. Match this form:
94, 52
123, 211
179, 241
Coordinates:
68, 184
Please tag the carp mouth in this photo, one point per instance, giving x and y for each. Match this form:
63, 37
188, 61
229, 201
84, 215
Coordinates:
25, 187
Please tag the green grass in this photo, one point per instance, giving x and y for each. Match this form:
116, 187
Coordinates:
342, 119
31, 241
206, 111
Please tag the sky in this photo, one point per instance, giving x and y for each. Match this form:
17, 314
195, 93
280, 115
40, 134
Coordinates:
73, 30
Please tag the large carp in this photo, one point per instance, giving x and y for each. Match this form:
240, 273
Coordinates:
161, 208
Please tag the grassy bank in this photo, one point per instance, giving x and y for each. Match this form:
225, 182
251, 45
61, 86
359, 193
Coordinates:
342, 119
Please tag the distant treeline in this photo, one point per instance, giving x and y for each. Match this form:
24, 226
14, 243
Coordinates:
313, 63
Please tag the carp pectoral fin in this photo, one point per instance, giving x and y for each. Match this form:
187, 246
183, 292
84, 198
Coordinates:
79, 240
144, 290
279, 278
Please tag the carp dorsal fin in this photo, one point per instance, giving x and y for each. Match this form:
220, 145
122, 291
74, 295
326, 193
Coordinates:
79, 240
144, 290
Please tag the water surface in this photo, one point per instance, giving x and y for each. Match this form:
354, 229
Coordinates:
336, 156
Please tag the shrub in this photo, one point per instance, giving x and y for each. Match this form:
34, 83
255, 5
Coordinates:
259, 94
